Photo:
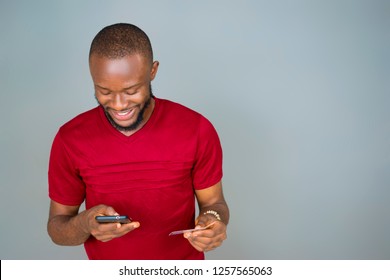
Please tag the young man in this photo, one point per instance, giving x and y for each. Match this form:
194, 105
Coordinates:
136, 155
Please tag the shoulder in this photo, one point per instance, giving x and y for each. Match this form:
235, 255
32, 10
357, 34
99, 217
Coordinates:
179, 112
180, 117
171, 105
81, 123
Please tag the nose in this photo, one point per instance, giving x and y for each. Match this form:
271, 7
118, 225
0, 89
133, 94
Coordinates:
119, 102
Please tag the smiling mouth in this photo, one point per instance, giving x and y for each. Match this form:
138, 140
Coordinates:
123, 115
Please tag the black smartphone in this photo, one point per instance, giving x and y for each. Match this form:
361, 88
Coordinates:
113, 219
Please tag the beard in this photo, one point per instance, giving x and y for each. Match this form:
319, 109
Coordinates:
137, 122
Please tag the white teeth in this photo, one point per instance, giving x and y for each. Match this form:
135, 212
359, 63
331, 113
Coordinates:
123, 113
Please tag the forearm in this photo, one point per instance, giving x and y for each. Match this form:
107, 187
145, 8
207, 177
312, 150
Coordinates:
212, 199
220, 207
68, 230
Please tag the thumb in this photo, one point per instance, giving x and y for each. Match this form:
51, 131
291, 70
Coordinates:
201, 222
111, 211
106, 211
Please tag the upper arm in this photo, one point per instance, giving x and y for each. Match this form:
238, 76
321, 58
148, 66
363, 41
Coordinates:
210, 196
58, 209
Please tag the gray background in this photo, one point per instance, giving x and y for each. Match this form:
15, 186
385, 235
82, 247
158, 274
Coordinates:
298, 91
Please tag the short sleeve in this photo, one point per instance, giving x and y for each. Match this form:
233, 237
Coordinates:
65, 184
207, 170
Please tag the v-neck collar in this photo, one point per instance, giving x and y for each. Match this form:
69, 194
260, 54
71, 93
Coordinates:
108, 126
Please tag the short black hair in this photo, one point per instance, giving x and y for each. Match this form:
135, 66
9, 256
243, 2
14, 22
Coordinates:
120, 40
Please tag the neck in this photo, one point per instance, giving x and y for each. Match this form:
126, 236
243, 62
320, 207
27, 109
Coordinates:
147, 114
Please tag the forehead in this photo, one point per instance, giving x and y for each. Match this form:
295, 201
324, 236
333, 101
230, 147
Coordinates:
130, 68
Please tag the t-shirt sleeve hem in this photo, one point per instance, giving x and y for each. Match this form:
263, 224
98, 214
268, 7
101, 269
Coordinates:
66, 202
209, 184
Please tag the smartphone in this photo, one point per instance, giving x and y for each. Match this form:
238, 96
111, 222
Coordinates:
113, 219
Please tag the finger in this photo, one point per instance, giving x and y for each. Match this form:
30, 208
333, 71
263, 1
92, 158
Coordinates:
114, 229
202, 246
202, 221
205, 242
108, 227
110, 211
201, 240
129, 227
135, 224
211, 232
208, 233
196, 245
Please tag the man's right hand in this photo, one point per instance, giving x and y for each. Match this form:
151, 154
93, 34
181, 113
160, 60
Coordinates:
68, 226
107, 231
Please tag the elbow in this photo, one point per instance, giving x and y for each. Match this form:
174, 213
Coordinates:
56, 234
61, 235
53, 234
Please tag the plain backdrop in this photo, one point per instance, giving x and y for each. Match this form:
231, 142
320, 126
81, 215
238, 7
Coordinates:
298, 91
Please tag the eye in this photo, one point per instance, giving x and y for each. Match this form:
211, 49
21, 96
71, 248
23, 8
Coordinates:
131, 92
104, 92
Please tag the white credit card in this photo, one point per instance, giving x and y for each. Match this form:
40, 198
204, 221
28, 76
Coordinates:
190, 230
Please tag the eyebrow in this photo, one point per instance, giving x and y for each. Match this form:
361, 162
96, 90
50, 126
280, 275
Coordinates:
130, 87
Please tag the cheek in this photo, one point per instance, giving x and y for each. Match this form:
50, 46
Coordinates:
102, 100
140, 97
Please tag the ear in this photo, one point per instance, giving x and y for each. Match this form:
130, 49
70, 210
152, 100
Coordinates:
154, 70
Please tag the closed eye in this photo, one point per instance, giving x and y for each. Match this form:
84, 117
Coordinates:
131, 92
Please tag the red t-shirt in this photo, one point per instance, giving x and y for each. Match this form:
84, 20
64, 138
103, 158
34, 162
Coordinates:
149, 176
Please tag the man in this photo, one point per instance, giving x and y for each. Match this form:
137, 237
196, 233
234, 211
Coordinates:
135, 155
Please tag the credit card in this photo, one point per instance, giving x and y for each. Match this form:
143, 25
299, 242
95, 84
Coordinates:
190, 230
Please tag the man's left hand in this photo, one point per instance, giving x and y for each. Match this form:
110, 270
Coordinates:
210, 238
